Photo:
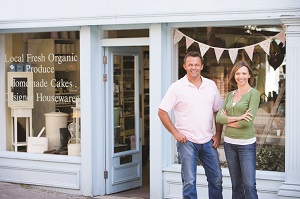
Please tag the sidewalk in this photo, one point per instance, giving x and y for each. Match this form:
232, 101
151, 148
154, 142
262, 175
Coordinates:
18, 191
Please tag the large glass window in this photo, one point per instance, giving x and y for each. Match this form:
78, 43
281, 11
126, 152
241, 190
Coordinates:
43, 92
262, 48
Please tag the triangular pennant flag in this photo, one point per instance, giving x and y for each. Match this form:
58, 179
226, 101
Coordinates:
233, 54
188, 41
265, 45
281, 37
249, 50
218, 52
203, 48
177, 36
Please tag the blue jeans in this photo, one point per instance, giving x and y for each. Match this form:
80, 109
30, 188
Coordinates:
241, 160
189, 153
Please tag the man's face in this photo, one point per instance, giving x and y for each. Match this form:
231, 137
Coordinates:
193, 67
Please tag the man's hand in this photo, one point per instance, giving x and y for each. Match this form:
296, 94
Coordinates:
216, 140
179, 137
166, 120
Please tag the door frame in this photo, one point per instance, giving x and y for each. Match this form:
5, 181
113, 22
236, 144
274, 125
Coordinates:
121, 42
122, 176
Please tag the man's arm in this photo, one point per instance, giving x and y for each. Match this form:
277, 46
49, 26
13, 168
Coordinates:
217, 137
166, 121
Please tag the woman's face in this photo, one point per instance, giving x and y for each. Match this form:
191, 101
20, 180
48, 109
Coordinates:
242, 76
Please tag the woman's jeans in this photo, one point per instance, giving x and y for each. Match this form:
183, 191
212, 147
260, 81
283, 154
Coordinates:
189, 153
241, 160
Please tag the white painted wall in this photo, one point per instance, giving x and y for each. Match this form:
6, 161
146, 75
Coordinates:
31, 13
92, 106
30, 9
158, 142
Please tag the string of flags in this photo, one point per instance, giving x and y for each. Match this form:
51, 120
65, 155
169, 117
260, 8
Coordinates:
233, 52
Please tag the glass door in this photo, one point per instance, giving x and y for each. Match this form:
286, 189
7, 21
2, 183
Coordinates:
123, 133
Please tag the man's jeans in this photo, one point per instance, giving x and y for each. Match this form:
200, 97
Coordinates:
241, 161
189, 153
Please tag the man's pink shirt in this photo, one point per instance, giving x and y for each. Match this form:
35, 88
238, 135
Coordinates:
193, 108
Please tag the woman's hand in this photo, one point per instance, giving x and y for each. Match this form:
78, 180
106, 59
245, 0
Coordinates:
232, 121
224, 112
246, 116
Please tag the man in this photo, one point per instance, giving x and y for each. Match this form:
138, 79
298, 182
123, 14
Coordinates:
195, 101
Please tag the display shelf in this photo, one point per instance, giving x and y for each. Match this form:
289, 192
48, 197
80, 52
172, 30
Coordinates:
124, 97
62, 54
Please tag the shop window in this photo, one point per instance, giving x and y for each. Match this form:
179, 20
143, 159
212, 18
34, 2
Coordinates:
43, 92
267, 59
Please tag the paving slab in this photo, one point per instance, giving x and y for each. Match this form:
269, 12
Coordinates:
23, 191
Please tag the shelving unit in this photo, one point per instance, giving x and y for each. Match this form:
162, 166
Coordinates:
68, 49
124, 99
128, 96
118, 103
124, 96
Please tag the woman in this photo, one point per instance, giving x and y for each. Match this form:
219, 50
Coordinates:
237, 113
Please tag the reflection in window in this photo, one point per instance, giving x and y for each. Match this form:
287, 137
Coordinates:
269, 73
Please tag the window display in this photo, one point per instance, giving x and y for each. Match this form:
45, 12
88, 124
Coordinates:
43, 78
262, 47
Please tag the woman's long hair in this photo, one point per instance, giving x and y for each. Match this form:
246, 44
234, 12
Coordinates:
237, 66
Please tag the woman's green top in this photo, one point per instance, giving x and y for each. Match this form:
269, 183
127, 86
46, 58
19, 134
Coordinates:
246, 129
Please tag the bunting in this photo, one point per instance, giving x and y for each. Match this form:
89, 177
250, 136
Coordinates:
265, 45
281, 37
177, 36
203, 48
188, 41
218, 52
249, 50
233, 52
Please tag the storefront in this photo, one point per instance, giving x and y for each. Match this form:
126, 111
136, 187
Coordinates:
80, 94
